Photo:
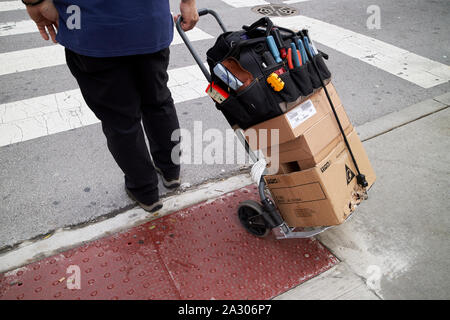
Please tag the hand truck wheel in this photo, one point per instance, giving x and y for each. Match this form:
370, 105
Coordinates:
250, 215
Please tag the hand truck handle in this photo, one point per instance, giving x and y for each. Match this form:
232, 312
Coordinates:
201, 12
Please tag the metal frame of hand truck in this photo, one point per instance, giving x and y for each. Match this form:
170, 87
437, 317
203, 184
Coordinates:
257, 218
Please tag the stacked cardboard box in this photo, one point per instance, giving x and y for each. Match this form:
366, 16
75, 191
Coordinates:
316, 181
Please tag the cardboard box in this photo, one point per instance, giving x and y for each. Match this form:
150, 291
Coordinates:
326, 194
295, 122
307, 162
315, 143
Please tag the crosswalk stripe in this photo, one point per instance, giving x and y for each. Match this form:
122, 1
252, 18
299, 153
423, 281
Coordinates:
244, 3
31, 59
195, 34
421, 71
19, 27
41, 116
49, 56
11, 5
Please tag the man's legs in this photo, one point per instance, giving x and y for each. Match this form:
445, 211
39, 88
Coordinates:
109, 87
158, 110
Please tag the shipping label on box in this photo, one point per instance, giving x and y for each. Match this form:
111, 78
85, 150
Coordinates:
295, 122
301, 113
259, 135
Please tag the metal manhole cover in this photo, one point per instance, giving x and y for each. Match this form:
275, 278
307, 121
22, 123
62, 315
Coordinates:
274, 10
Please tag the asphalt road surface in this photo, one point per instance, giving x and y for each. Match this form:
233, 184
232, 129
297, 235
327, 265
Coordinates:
55, 170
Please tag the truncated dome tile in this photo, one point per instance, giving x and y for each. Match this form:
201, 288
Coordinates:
125, 266
210, 256
201, 252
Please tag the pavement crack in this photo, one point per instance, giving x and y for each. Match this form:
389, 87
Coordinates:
405, 123
21, 134
58, 107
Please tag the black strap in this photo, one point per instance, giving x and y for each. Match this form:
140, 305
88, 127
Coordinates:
263, 22
236, 48
285, 30
361, 178
324, 55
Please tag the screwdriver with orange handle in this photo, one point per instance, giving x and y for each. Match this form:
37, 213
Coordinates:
289, 58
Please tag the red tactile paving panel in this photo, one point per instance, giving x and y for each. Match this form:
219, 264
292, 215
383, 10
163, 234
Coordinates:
117, 267
200, 252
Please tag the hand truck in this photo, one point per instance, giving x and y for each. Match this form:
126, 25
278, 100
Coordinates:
258, 218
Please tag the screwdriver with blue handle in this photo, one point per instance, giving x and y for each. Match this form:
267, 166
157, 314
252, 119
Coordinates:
308, 44
273, 48
275, 32
301, 47
295, 58
312, 48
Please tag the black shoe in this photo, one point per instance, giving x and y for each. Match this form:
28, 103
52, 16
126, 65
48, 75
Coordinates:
169, 182
153, 207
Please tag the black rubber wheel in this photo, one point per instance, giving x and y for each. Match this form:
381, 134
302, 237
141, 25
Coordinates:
250, 216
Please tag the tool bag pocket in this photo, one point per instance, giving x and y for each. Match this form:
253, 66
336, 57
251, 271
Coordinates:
313, 76
302, 80
250, 106
325, 74
289, 93
258, 103
234, 111
323, 71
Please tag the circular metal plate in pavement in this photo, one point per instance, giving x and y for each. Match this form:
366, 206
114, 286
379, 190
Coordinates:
274, 10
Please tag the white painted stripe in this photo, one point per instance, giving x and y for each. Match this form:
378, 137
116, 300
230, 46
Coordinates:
36, 117
62, 239
421, 71
195, 34
245, 3
187, 83
19, 27
11, 5
50, 56
41, 116
31, 59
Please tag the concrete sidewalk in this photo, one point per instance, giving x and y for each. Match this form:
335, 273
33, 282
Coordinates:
394, 247
403, 234
397, 245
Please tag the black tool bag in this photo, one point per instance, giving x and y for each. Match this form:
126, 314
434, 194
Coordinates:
257, 101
